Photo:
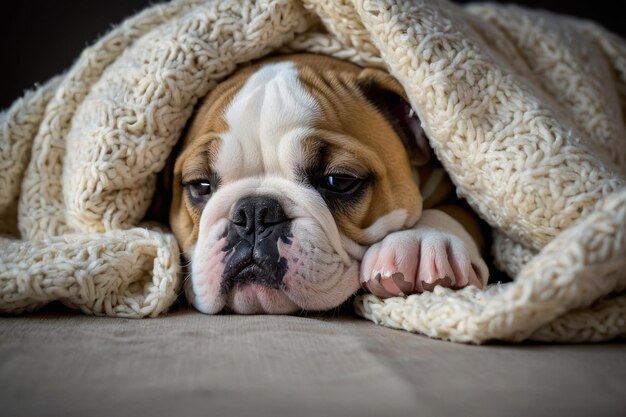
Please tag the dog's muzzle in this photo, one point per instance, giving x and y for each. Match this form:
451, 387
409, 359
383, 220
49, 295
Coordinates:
256, 225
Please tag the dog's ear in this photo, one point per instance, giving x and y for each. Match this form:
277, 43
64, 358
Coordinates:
386, 93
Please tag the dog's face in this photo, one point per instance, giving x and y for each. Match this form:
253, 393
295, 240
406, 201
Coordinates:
287, 172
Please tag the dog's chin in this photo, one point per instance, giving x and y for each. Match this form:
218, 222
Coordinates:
258, 299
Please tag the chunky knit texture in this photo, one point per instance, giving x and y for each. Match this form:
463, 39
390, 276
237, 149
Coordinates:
525, 110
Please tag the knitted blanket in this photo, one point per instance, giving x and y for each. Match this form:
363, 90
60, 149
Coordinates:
524, 109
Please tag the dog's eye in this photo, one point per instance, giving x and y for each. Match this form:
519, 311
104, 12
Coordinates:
199, 190
341, 183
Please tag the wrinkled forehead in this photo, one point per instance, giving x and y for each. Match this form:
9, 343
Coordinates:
267, 120
280, 117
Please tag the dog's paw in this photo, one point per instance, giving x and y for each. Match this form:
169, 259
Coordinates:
416, 260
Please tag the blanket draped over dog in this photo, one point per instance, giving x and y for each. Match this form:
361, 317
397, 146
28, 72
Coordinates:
524, 109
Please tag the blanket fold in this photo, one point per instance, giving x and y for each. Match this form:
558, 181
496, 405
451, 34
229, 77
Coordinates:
123, 273
525, 110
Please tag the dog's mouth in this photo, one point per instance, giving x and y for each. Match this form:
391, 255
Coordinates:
250, 273
252, 298
246, 264
278, 274
252, 288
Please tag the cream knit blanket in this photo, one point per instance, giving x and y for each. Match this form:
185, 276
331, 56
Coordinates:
524, 109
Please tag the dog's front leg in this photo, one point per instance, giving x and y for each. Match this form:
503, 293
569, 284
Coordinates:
437, 251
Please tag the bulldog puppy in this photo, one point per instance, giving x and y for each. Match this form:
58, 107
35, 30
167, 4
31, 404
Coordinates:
297, 183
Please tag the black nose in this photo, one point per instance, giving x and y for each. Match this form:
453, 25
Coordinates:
257, 224
256, 214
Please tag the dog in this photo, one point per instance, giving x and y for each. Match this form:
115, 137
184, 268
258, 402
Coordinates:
301, 179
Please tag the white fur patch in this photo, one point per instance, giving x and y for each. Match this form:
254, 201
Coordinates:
267, 118
390, 222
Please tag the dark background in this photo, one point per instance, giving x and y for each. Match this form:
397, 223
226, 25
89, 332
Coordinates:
41, 38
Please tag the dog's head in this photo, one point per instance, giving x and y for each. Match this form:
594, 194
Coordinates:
287, 172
